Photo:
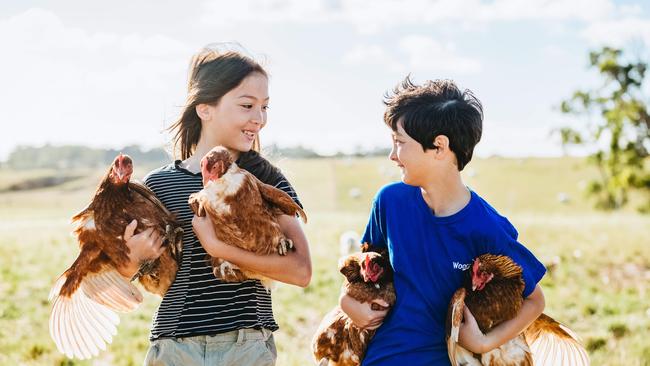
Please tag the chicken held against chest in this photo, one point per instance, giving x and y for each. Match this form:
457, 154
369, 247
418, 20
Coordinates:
368, 276
244, 212
87, 295
493, 293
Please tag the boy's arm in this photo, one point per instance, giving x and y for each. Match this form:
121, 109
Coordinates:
472, 339
361, 313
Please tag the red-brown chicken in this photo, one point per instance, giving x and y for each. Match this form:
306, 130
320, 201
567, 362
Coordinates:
368, 277
244, 212
87, 295
492, 292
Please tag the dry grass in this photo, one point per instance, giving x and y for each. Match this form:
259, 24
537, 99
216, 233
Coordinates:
599, 283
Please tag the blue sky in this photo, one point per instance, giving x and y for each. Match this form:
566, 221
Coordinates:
113, 73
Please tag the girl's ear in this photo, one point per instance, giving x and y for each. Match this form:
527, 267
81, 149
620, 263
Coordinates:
203, 111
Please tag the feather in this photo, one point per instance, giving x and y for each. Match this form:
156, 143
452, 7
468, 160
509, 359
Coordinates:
338, 340
244, 213
109, 288
456, 307
81, 327
498, 285
553, 343
86, 297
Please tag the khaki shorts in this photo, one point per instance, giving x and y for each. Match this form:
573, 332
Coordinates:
237, 348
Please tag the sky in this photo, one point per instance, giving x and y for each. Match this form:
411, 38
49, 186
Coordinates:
113, 73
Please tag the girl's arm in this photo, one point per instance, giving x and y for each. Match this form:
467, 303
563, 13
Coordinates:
472, 339
293, 268
144, 246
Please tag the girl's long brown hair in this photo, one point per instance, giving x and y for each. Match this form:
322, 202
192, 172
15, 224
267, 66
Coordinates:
212, 74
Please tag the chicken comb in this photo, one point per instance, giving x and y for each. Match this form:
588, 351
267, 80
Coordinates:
477, 263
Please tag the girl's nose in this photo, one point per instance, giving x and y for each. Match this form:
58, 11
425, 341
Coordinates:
259, 117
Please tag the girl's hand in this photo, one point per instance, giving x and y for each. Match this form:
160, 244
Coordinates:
144, 246
470, 336
362, 314
204, 230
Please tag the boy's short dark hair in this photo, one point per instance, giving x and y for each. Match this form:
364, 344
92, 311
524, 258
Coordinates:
437, 108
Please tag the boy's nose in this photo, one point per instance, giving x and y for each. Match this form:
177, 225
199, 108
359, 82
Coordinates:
393, 155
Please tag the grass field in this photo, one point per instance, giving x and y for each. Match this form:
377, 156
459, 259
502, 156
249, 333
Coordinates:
599, 285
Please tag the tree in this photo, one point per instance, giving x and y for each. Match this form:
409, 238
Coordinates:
618, 125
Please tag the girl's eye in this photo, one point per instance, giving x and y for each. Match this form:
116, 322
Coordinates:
265, 107
247, 106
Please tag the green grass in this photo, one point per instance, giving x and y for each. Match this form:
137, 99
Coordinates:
599, 286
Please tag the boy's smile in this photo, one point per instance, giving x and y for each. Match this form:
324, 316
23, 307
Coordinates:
414, 162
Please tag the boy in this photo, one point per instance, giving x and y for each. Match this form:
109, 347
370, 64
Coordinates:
434, 226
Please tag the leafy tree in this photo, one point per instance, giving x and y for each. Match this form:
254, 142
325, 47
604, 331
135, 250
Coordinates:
618, 126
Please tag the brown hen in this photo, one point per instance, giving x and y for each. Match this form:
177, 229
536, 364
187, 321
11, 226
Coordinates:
87, 295
493, 293
368, 277
244, 212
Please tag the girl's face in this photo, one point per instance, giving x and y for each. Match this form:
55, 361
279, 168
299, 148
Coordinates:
239, 116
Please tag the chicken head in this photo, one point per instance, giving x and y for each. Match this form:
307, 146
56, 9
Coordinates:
215, 164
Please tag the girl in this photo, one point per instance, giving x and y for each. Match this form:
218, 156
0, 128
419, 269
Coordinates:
202, 320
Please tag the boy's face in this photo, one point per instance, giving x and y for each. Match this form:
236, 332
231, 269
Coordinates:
415, 163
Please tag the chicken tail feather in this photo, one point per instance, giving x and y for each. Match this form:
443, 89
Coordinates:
454, 319
281, 200
552, 343
79, 326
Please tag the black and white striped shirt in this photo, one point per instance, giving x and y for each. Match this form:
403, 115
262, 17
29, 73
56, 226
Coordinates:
197, 303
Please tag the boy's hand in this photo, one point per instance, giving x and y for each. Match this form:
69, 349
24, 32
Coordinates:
363, 314
470, 336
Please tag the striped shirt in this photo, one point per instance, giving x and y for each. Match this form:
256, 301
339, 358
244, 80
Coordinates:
197, 303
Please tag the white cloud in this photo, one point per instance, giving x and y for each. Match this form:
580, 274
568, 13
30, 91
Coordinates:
618, 32
63, 80
370, 17
227, 13
426, 54
415, 53
366, 55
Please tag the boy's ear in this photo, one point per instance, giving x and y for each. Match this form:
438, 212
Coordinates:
441, 143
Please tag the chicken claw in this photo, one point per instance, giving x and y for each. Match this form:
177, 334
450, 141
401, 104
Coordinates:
285, 246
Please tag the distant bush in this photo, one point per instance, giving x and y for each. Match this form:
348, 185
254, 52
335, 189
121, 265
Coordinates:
40, 182
78, 156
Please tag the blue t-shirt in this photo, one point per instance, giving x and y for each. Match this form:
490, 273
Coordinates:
428, 255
